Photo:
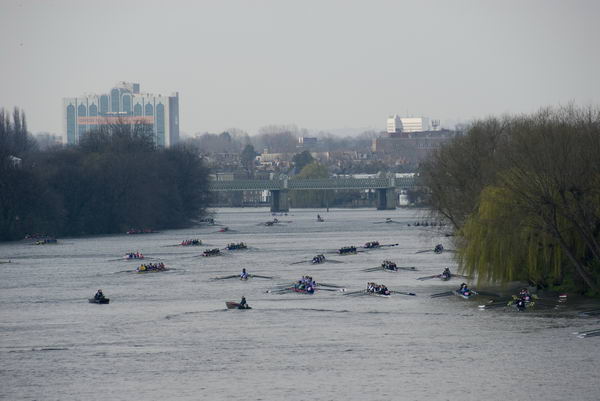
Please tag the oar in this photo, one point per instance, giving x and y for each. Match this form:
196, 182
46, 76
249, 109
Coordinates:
590, 312
259, 276
441, 294
594, 334
381, 246
278, 291
372, 269
429, 277
587, 331
226, 277
488, 294
331, 289
425, 250
361, 292
329, 285
403, 293
332, 261
406, 268
302, 261
493, 305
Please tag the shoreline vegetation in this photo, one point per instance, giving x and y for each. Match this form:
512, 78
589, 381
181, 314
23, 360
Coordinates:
114, 180
522, 195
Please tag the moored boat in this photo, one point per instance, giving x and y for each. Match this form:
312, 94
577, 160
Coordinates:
144, 231
46, 241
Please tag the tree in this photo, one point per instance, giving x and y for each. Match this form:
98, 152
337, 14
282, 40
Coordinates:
115, 179
523, 194
302, 159
247, 158
311, 198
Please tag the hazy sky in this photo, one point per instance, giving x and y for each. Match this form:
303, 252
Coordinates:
319, 64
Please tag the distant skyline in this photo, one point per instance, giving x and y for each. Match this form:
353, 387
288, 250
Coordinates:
320, 65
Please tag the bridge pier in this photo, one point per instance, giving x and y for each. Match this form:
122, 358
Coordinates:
386, 199
279, 201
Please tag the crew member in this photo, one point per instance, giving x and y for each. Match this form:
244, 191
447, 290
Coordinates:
99, 295
243, 303
244, 274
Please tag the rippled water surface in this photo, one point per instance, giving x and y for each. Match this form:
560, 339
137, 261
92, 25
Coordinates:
168, 336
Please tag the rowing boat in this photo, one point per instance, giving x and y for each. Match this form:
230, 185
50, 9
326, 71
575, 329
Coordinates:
308, 290
465, 296
235, 305
102, 301
376, 294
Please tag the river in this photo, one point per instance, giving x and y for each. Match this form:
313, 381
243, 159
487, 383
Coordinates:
168, 335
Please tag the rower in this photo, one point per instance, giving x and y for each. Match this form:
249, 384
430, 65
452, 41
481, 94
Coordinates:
243, 304
438, 248
446, 273
243, 274
464, 289
99, 295
525, 295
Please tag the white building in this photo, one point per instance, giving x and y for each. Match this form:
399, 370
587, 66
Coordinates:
396, 124
124, 104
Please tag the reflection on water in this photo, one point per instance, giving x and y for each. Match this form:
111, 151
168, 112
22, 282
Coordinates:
168, 335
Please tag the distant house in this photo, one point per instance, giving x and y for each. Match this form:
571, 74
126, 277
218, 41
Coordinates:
15, 161
410, 148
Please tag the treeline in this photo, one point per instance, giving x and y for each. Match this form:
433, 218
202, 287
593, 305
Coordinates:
114, 180
523, 196
280, 139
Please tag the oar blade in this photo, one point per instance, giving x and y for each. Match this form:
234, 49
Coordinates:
441, 294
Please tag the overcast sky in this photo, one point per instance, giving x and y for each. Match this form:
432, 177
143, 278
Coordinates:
320, 65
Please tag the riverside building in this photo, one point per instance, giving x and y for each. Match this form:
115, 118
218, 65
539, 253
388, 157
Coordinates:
123, 104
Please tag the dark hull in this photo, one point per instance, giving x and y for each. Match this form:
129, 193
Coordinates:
302, 291
235, 305
99, 301
459, 294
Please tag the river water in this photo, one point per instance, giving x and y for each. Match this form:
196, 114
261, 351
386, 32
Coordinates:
168, 335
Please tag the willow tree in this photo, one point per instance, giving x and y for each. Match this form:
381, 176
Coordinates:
527, 205
501, 242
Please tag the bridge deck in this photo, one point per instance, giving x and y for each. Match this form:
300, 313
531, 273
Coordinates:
303, 184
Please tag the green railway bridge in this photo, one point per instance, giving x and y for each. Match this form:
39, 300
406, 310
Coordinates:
386, 188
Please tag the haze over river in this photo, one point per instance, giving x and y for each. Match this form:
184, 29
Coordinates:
168, 336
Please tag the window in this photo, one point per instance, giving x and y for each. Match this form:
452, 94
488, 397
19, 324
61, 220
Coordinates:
114, 100
160, 125
71, 124
103, 105
127, 104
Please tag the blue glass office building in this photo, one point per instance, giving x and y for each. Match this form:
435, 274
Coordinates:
123, 104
